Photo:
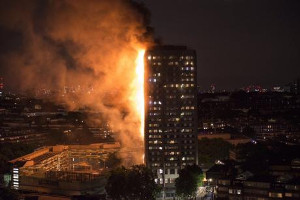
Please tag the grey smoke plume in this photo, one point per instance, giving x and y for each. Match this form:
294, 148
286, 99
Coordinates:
87, 44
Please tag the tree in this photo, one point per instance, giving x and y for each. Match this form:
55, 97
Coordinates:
134, 183
6, 193
190, 178
116, 183
248, 131
210, 150
113, 160
256, 157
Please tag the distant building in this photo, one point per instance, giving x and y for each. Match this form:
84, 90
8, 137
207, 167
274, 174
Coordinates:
278, 89
171, 117
212, 88
22, 135
295, 86
1, 85
254, 88
234, 140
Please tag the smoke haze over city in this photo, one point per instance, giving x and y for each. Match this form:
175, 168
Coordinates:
89, 46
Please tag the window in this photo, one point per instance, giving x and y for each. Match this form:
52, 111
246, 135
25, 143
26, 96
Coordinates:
288, 194
172, 171
275, 195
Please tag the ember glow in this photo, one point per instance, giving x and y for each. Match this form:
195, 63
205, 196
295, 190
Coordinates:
140, 97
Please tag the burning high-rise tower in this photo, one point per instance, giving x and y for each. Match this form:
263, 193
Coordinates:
171, 117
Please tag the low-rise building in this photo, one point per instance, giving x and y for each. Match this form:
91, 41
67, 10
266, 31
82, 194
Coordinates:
234, 140
258, 188
63, 169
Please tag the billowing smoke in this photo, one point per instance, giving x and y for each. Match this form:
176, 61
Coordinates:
89, 45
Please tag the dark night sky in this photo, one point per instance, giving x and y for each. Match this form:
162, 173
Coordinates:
238, 42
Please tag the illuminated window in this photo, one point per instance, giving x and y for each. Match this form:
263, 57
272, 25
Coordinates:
275, 195
288, 194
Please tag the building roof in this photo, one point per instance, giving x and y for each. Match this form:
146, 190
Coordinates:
168, 47
261, 178
43, 157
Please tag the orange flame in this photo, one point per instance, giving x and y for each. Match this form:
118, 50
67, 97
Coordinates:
140, 98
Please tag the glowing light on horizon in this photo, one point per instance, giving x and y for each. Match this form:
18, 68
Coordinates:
140, 97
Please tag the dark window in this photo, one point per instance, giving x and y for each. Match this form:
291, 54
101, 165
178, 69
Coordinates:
172, 171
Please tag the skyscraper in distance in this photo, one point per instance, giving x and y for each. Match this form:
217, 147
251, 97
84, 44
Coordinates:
171, 111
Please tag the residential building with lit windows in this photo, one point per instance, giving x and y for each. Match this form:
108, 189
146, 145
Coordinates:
281, 180
67, 170
171, 111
